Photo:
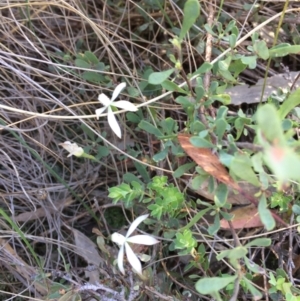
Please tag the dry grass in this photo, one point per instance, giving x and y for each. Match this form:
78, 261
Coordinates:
45, 101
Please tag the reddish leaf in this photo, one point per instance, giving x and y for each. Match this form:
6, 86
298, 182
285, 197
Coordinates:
212, 165
207, 161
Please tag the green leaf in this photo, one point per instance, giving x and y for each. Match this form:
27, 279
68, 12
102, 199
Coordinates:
241, 166
161, 155
201, 142
91, 58
233, 254
239, 125
296, 209
253, 267
289, 104
191, 12
223, 98
265, 214
156, 210
283, 50
171, 86
82, 64
261, 49
149, 128
232, 40
184, 101
199, 92
209, 30
223, 65
249, 61
221, 125
221, 195
237, 67
222, 112
253, 290
157, 78
102, 151
212, 285
259, 242
133, 117
133, 92
88, 132
182, 169
130, 177
227, 75
230, 26
269, 123
100, 67
142, 170
169, 126
214, 228
206, 66
93, 77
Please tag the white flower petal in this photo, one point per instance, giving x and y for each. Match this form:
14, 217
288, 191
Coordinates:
133, 259
120, 260
142, 240
118, 238
104, 100
113, 123
126, 105
72, 148
98, 112
135, 223
118, 90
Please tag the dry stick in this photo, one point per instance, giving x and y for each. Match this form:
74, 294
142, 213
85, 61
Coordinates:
206, 80
264, 276
291, 265
208, 51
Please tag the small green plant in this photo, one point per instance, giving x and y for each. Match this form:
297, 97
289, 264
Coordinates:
212, 286
88, 60
165, 198
279, 284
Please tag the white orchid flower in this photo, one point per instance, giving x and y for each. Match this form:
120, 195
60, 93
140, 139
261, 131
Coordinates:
123, 242
72, 148
108, 103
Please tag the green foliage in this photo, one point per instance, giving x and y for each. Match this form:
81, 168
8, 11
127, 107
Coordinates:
165, 198
280, 200
157, 78
88, 60
280, 284
283, 50
126, 193
279, 154
191, 12
212, 286
275, 164
184, 241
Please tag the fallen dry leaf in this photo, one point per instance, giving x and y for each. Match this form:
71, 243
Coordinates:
234, 197
86, 248
244, 218
212, 165
207, 161
251, 94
